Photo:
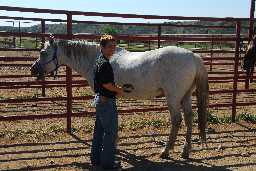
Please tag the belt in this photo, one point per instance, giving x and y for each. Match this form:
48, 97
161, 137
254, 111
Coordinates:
104, 98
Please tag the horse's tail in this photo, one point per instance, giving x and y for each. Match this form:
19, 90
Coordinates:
202, 88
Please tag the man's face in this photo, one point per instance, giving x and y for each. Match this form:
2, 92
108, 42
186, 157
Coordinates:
109, 49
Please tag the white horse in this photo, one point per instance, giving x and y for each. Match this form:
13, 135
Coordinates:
170, 71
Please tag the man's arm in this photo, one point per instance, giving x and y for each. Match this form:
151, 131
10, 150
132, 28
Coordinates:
112, 87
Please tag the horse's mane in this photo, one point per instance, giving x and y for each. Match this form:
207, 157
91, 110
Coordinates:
82, 47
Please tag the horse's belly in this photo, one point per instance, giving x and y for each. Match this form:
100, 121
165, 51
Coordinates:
144, 85
140, 90
141, 94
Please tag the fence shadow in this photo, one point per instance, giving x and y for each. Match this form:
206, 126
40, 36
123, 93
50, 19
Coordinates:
27, 152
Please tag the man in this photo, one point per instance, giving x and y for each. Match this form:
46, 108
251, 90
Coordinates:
106, 124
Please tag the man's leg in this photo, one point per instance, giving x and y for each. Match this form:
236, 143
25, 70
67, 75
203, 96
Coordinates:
110, 125
97, 142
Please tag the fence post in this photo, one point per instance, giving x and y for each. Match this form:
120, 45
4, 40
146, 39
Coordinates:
20, 33
212, 46
251, 22
36, 41
42, 46
69, 78
159, 35
236, 73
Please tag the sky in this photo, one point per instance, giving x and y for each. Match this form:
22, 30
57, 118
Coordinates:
209, 8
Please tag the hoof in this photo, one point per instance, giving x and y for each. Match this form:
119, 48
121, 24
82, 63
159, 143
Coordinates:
164, 156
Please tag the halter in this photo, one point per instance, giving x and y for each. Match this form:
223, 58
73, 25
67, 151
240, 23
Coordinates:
54, 59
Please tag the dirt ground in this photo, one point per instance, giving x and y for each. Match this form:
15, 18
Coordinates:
44, 145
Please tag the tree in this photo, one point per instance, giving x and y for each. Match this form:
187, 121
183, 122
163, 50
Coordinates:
110, 30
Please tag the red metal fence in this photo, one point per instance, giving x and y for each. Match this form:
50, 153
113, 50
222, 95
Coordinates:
230, 58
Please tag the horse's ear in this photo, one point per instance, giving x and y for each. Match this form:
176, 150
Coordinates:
51, 39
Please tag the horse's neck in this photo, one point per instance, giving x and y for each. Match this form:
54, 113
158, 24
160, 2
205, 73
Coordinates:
81, 62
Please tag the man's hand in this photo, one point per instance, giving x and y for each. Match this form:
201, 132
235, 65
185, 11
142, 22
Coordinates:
120, 92
128, 88
111, 87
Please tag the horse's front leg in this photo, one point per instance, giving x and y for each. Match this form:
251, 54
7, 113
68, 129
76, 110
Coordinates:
175, 117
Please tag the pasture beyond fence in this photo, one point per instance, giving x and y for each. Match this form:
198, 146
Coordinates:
223, 64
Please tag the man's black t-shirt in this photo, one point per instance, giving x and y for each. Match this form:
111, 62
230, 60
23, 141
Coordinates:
103, 73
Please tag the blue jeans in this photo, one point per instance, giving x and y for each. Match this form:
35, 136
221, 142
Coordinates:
105, 132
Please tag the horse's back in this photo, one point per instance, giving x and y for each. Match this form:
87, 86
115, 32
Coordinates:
151, 70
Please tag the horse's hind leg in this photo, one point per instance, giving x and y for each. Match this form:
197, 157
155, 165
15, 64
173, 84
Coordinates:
188, 117
174, 108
